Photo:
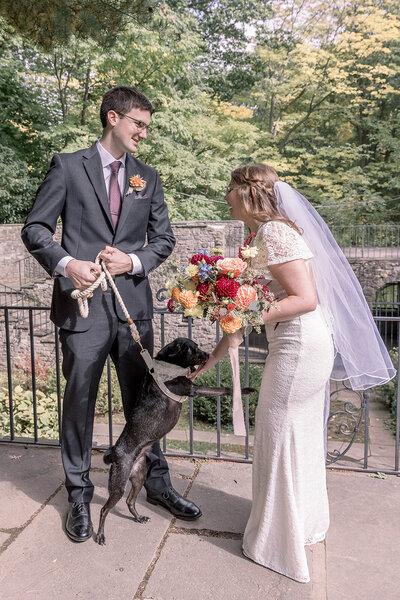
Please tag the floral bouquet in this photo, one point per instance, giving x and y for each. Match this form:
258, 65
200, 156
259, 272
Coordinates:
221, 289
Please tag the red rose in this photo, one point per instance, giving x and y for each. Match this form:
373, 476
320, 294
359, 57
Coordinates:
226, 287
170, 305
231, 306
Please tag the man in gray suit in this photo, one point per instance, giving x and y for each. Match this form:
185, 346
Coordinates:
102, 213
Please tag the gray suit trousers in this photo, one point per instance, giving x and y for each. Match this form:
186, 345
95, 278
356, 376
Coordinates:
84, 357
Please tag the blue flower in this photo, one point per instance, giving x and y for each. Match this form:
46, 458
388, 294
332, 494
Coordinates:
205, 272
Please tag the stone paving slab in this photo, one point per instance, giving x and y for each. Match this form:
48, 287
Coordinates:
223, 491
168, 559
211, 568
65, 570
29, 475
3, 537
363, 542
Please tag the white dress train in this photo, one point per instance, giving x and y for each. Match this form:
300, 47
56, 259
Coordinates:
290, 503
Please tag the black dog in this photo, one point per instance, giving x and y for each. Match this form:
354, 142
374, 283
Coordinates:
152, 417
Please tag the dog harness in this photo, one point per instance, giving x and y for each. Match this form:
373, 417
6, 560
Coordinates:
159, 370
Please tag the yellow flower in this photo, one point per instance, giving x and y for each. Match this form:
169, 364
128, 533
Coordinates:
189, 284
197, 312
191, 270
170, 287
249, 252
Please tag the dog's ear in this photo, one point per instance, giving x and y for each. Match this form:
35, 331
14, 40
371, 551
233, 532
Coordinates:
172, 352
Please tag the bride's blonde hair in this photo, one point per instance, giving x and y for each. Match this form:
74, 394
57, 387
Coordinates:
255, 185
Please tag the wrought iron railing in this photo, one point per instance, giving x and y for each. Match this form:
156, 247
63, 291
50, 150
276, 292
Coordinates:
29, 271
351, 419
368, 241
19, 301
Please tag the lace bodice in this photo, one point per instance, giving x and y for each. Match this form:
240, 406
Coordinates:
278, 243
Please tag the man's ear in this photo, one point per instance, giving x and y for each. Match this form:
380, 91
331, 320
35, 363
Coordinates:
112, 118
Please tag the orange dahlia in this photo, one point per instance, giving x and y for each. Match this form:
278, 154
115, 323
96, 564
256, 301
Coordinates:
175, 294
245, 296
230, 324
188, 299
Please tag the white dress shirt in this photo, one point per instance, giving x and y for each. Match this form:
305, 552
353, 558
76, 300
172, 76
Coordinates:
106, 160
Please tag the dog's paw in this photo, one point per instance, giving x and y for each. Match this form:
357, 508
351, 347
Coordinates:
141, 519
100, 539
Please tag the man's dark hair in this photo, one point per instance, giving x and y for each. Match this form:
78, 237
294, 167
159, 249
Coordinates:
122, 99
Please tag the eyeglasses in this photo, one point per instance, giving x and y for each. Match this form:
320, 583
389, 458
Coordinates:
139, 124
228, 189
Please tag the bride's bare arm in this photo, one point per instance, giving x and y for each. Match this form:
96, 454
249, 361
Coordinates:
227, 341
297, 280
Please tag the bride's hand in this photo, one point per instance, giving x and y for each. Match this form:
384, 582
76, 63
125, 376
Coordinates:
231, 340
210, 362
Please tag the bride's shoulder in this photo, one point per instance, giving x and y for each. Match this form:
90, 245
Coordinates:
276, 229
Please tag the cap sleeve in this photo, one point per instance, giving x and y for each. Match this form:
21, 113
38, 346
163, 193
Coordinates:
282, 243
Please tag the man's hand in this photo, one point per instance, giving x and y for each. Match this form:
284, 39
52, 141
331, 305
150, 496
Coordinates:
117, 262
82, 273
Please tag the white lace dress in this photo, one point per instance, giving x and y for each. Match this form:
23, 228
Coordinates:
290, 503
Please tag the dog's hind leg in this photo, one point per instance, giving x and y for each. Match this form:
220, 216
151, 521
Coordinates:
137, 477
119, 474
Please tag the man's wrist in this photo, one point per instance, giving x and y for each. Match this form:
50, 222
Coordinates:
61, 268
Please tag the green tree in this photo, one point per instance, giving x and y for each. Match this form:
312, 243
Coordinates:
50, 23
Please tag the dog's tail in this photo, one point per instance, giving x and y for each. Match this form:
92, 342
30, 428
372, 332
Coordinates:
108, 457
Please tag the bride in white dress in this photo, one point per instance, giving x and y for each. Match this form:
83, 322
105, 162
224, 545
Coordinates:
290, 506
290, 503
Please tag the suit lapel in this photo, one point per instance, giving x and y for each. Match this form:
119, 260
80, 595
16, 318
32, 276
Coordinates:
131, 168
94, 170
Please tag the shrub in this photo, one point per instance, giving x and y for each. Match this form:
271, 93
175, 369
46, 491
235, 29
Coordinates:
46, 407
388, 392
46, 399
205, 408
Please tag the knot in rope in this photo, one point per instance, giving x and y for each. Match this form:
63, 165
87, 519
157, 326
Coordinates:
82, 296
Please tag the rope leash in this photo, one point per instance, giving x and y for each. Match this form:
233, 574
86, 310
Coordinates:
82, 296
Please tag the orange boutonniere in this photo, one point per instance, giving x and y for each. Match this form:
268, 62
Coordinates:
136, 184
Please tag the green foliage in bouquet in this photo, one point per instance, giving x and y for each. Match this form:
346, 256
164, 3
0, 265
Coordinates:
205, 408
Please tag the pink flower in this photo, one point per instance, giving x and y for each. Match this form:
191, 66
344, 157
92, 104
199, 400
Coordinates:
245, 296
232, 265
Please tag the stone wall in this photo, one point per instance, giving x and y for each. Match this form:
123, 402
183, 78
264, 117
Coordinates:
374, 274
191, 236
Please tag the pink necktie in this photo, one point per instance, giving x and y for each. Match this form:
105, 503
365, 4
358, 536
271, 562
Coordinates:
114, 193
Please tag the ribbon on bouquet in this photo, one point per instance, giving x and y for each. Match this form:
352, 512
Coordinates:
239, 427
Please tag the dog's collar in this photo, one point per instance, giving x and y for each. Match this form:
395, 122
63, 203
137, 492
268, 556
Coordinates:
162, 371
166, 371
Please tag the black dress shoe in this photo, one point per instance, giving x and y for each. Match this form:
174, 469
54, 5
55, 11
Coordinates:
78, 525
178, 506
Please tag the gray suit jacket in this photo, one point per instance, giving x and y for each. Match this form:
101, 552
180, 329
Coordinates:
74, 189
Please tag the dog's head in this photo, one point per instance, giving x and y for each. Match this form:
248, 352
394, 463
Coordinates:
183, 352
